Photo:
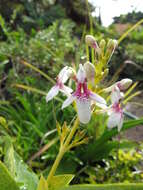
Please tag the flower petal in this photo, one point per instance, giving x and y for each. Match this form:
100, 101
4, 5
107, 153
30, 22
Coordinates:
52, 93
65, 73
66, 90
81, 75
114, 120
83, 110
68, 101
120, 123
103, 106
116, 95
97, 98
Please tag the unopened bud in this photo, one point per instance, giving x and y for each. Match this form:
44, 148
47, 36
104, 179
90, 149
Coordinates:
102, 44
111, 44
90, 41
124, 84
111, 47
90, 71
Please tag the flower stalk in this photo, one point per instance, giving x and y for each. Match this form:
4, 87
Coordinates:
63, 149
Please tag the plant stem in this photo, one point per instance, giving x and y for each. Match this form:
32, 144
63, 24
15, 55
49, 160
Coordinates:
55, 165
62, 150
69, 138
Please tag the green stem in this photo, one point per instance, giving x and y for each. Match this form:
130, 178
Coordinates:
69, 138
62, 151
87, 52
55, 165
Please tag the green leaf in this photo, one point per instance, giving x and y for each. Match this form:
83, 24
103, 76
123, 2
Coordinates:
9, 156
43, 185
3, 25
120, 186
6, 180
124, 35
18, 169
24, 174
60, 181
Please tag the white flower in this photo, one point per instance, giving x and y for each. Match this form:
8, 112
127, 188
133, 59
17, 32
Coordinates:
83, 97
62, 78
115, 111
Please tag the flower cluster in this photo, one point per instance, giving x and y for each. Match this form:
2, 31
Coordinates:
82, 95
85, 97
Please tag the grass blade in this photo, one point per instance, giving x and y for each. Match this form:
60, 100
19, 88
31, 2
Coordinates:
39, 71
129, 30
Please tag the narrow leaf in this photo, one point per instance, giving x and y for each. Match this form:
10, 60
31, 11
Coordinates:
39, 71
129, 30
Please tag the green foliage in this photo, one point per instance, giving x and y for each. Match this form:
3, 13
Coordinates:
106, 187
20, 172
28, 123
48, 46
6, 180
122, 166
48, 49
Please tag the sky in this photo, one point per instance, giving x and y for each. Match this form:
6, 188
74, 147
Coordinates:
112, 8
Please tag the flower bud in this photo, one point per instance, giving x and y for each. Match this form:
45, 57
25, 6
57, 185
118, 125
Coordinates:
102, 44
90, 71
124, 84
111, 45
90, 41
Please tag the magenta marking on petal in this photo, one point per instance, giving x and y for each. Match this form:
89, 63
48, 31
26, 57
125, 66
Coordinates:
82, 91
117, 108
59, 84
94, 45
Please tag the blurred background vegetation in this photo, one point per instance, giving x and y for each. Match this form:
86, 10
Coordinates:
49, 34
